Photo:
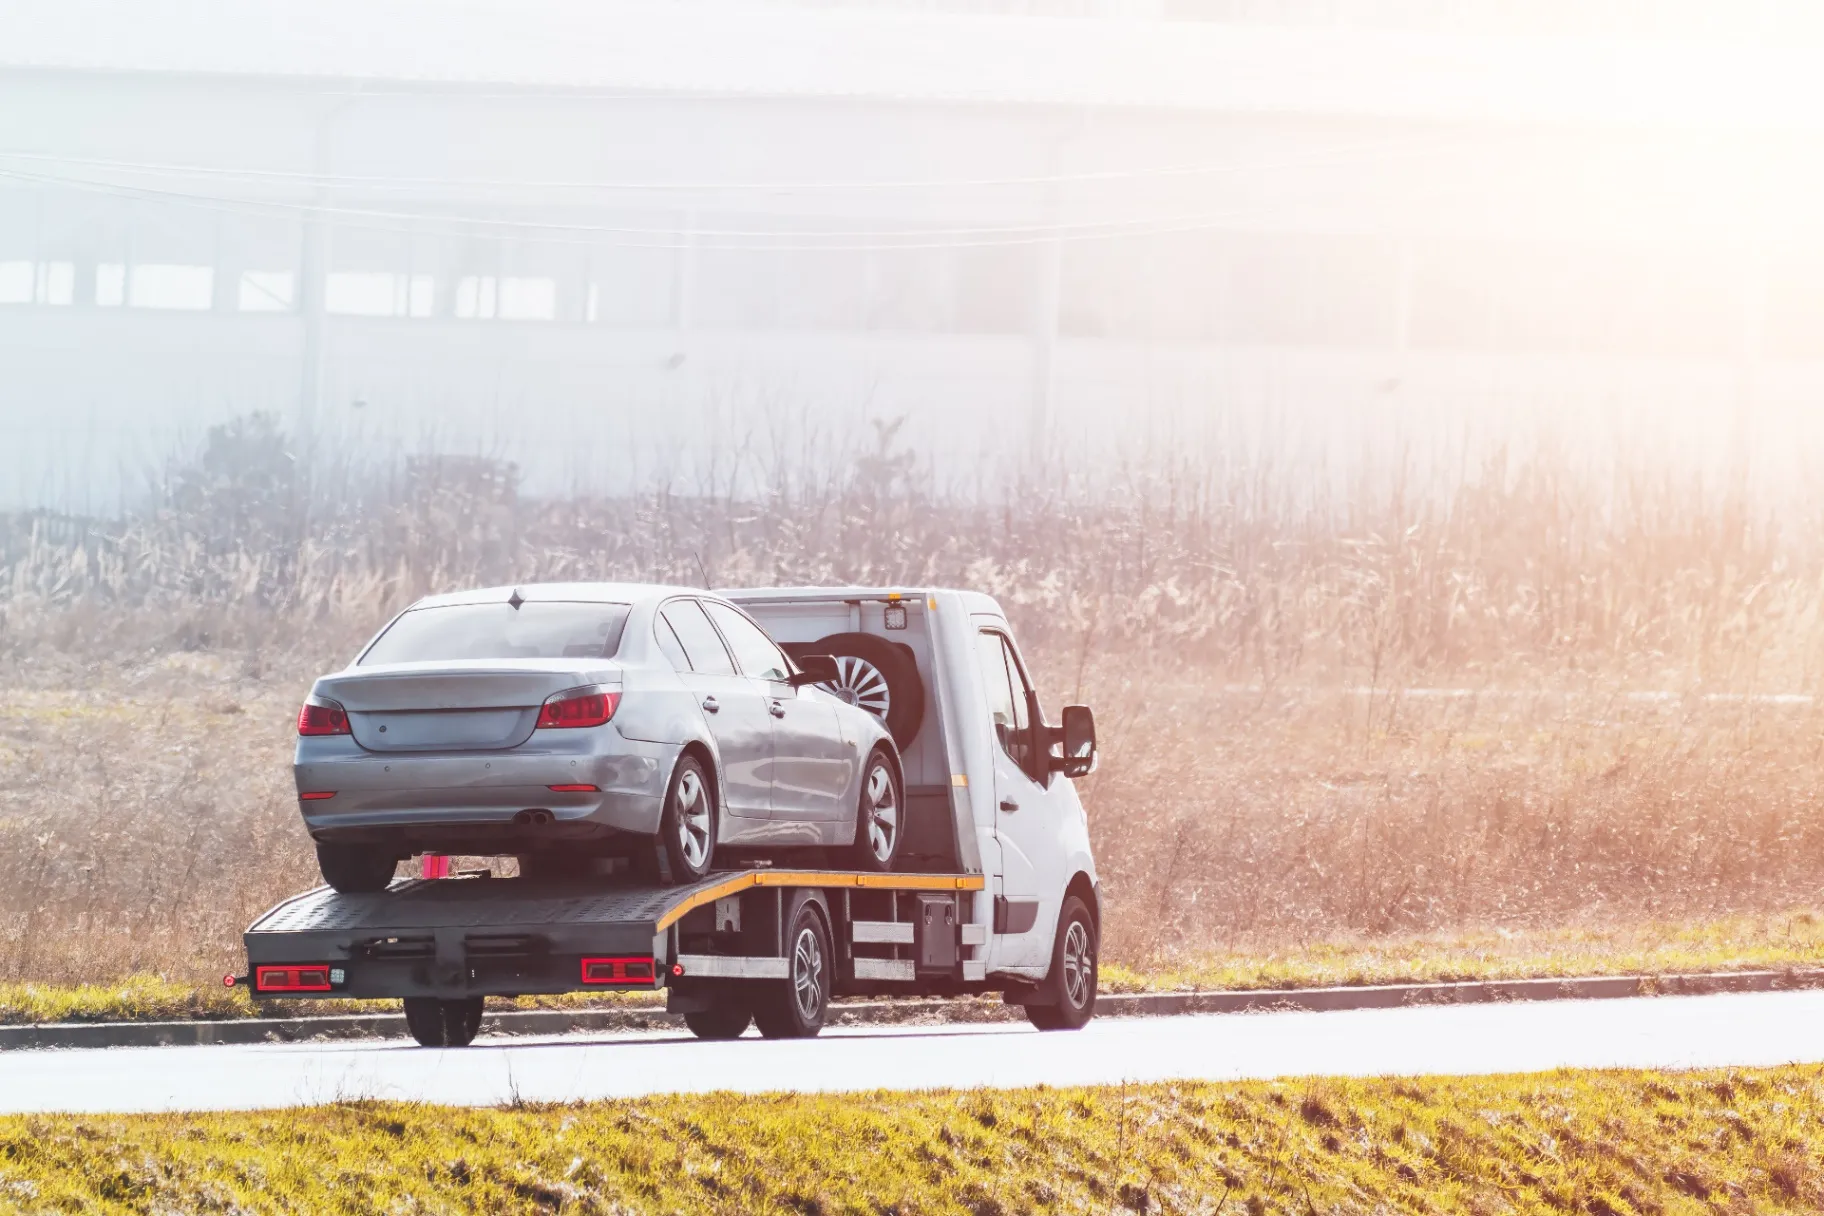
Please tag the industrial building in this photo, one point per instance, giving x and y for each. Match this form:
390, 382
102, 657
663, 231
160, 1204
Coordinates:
615, 242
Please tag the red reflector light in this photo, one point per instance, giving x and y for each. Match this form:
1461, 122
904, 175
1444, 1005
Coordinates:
316, 795
227, 981
575, 789
636, 969
322, 718
310, 977
578, 707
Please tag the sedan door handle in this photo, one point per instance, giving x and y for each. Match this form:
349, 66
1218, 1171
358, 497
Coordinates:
1008, 804
776, 709
710, 705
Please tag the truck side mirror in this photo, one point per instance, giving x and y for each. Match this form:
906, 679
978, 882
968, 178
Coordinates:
1078, 734
815, 669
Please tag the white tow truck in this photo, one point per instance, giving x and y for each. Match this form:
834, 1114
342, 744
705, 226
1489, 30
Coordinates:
994, 890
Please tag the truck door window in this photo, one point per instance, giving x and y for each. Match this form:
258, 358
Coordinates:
1006, 694
702, 645
753, 649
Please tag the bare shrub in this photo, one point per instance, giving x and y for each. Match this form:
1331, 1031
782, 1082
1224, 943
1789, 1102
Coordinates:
1330, 705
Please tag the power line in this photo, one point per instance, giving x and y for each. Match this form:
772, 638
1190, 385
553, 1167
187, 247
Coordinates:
422, 223
1370, 150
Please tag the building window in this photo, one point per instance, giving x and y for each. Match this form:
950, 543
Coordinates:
378, 294
265, 291
37, 282
174, 287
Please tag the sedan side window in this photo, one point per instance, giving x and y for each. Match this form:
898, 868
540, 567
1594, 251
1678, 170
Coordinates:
702, 645
668, 642
755, 651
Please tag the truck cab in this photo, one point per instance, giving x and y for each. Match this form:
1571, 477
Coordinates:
987, 779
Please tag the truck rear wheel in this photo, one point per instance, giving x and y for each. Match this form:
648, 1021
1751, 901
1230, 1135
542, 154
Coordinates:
795, 1007
356, 868
725, 1020
435, 1022
1069, 991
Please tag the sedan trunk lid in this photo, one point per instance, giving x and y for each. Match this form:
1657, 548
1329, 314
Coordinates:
475, 705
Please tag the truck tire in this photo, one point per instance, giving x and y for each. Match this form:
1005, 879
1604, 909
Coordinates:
727, 1019
795, 1007
686, 842
435, 1022
880, 816
876, 675
1069, 991
356, 868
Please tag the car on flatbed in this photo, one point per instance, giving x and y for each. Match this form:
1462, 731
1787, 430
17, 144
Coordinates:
579, 723
993, 887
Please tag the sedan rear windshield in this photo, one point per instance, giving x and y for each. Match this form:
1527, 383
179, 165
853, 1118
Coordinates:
501, 631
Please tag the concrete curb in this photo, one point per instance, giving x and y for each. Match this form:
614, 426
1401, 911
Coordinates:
874, 1013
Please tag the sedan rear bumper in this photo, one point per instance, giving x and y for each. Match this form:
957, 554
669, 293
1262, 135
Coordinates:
470, 798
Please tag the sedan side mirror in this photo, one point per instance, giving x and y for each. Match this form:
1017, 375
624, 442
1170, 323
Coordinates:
815, 669
1078, 734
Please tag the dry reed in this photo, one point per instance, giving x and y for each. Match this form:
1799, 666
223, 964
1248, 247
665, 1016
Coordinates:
1332, 705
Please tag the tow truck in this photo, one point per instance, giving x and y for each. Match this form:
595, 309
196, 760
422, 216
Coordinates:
995, 892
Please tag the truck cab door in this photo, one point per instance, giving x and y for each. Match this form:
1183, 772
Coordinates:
1029, 817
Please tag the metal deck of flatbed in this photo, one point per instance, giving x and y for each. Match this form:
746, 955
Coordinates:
449, 935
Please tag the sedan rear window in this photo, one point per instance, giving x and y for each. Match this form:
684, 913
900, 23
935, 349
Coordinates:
501, 631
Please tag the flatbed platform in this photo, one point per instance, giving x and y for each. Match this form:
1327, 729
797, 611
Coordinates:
471, 936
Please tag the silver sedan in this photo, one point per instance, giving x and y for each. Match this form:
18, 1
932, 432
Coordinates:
570, 723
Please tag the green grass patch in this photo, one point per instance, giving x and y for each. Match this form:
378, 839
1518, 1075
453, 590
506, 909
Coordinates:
1586, 1142
1742, 943
151, 998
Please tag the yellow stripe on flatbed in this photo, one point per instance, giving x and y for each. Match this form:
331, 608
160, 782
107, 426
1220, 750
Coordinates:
819, 878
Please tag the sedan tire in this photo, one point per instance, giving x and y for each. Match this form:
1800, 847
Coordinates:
880, 816
686, 842
356, 869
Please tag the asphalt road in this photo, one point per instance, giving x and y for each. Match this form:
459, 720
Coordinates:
1656, 1032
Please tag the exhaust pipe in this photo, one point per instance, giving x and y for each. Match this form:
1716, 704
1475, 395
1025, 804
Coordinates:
536, 817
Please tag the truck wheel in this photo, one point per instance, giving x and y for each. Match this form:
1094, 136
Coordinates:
1070, 989
880, 816
876, 675
795, 1007
356, 868
726, 1020
686, 842
440, 1023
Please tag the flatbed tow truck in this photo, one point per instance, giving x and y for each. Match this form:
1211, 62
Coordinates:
998, 894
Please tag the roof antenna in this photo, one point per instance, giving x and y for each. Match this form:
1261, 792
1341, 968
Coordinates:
515, 600
700, 569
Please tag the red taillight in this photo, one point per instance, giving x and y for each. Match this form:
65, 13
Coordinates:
575, 789
578, 707
635, 970
311, 977
322, 718
316, 795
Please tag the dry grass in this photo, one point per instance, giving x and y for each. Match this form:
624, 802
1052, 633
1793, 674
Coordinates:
1263, 643
1595, 1142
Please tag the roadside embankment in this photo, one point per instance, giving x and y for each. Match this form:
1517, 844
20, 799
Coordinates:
1568, 1141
